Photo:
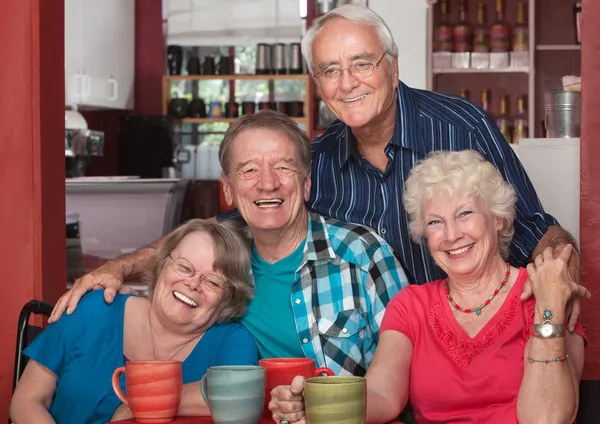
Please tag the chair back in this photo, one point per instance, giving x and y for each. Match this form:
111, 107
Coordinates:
26, 333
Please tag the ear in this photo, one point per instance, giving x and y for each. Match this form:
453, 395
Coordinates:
226, 189
395, 72
499, 223
307, 186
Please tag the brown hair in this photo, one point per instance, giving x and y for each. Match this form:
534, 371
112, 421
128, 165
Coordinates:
267, 120
232, 258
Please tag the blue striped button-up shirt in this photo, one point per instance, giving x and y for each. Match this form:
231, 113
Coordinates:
347, 187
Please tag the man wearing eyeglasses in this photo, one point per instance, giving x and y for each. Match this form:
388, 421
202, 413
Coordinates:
384, 127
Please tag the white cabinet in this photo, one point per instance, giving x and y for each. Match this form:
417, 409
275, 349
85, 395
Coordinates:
99, 53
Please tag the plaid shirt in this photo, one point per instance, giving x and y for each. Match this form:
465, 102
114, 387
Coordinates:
346, 278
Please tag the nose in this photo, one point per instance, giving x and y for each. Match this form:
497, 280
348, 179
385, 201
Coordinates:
268, 180
195, 282
348, 82
452, 231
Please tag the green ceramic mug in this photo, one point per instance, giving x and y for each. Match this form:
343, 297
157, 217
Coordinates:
335, 400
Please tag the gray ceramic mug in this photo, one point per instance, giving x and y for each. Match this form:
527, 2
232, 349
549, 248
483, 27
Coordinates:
234, 393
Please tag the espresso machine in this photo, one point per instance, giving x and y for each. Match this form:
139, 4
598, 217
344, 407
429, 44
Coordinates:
81, 144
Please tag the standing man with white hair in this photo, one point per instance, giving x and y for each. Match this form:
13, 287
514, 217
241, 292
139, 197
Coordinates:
359, 165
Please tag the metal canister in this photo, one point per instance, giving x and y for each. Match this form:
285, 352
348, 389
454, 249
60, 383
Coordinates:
295, 59
279, 58
562, 114
264, 64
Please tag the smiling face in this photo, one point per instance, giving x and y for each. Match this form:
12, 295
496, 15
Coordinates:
461, 232
357, 101
189, 303
267, 182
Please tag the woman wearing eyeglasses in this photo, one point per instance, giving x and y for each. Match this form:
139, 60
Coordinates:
198, 284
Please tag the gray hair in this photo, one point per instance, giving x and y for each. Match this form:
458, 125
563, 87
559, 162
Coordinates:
267, 120
357, 14
460, 173
232, 258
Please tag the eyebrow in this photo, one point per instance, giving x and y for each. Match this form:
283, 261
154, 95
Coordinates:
358, 56
289, 160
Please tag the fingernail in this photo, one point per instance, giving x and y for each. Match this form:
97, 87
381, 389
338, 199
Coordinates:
572, 328
69, 310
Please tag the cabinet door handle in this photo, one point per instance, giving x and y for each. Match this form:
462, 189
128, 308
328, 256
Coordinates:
114, 89
87, 86
79, 83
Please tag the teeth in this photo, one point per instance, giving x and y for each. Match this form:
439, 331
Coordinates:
461, 250
362, 96
269, 202
185, 299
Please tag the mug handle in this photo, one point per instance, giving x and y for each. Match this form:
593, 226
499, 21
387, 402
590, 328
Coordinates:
117, 386
323, 370
204, 389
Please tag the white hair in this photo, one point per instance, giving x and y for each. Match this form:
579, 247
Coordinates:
358, 14
460, 173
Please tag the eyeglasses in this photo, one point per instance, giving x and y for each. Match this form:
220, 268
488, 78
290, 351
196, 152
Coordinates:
360, 69
186, 270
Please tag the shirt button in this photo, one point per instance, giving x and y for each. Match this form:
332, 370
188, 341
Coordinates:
298, 301
345, 330
383, 231
305, 340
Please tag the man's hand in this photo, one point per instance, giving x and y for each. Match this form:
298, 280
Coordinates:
287, 402
122, 413
574, 306
108, 276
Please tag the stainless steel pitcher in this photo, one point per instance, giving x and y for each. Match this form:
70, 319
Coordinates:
562, 114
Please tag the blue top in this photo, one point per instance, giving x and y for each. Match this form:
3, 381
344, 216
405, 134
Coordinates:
84, 349
270, 318
347, 187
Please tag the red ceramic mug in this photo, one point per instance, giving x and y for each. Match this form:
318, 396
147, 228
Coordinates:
153, 389
281, 372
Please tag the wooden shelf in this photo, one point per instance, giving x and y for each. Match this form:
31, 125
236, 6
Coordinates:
558, 47
235, 77
226, 120
480, 71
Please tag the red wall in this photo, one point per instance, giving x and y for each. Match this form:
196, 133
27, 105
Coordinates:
149, 69
32, 190
590, 181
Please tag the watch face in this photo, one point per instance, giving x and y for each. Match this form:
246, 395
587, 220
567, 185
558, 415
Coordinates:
546, 330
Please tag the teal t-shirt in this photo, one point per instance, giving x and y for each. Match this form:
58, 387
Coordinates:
269, 318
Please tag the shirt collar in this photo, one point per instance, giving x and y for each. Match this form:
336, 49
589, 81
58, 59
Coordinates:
318, 245
405, 135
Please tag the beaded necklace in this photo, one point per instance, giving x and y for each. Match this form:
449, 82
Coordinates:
479, 308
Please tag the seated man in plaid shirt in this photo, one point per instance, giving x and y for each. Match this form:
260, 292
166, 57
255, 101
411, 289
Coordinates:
321, 285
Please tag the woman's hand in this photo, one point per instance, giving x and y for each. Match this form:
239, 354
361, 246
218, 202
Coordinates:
551, 283
287, 402
122, 413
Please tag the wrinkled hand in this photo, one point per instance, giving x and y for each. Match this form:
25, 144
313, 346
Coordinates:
574, 306
287, 402
122, 413
108, 277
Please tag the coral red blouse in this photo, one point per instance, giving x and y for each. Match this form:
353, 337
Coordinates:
455, 378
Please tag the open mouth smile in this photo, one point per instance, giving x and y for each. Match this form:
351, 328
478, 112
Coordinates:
355, 99
268, 203
460, 250
187, 301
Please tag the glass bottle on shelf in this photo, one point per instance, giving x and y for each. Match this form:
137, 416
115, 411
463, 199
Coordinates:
463, 30
442, 34
481, 32
485, 100
500, 31
503, 120
577, 18
521, 121
464, 93
520, 32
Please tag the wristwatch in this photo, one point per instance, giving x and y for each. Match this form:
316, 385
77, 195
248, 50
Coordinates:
548, 330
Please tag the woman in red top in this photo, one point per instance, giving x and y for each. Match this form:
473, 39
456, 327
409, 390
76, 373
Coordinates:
466, 349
